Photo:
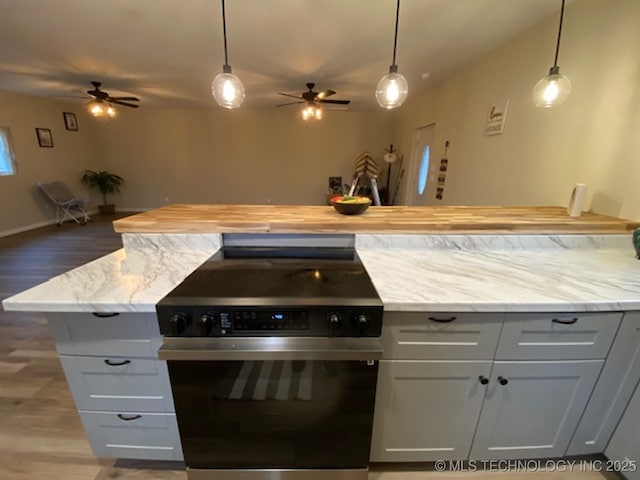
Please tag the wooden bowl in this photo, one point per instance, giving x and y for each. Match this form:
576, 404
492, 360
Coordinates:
351, 208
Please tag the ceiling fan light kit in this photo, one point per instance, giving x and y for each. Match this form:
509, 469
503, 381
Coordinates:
226, 88
101, 106
393, 88
311, 112
312, 101
554, 88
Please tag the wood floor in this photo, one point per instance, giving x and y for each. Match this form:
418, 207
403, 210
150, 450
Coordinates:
41, 436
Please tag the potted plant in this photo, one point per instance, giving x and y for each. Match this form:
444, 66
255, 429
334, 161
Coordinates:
107, 183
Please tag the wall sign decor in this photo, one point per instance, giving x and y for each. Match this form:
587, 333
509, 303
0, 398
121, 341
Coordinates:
442, 174
70, 122
496, 119
45, 139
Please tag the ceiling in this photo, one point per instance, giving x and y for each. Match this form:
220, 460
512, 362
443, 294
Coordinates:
166, 52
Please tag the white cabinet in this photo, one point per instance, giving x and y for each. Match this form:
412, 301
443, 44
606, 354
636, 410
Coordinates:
120, 387
624, 448
428, 398
611, 394
486, 386
430, 409
531, 409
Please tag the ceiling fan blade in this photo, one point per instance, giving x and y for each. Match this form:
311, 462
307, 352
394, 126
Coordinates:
289, 103
127, 99
289, 95
325, 94
338, 102
123, 103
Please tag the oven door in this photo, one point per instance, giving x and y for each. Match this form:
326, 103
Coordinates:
274, 403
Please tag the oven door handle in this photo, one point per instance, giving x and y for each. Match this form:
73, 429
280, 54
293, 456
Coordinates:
271, 348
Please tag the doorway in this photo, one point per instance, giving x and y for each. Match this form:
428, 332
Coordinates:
419, 171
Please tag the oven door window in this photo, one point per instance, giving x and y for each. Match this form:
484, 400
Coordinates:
274, 414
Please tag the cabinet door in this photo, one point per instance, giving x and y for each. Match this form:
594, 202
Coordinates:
427, 410
625, 444
611, 394
532, 408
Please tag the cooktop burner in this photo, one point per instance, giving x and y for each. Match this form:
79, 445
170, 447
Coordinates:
280, 291
294, 276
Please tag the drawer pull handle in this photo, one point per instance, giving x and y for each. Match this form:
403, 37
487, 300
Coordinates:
442, 320
116, 364
128, 418
483, 380
104, 314
502, 380
565, 322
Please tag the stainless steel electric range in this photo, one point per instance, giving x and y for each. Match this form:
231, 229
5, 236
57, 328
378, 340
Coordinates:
272, 356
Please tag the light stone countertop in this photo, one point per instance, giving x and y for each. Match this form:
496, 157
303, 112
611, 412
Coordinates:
411, 273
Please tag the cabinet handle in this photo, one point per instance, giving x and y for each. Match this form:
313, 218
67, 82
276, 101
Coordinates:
116, 364
502, 380
483, 380
104, 314
442, 320
565, 322
128, 418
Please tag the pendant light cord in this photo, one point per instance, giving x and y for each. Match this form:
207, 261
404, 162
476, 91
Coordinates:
224, 32
395, 35
555, 61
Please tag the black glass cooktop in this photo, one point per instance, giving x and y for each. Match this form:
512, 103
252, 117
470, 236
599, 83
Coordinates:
266, 276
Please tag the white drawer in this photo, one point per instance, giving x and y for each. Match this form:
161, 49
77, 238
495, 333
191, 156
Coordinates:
561, 336
440, 336
152, 436
119, 383
125, 334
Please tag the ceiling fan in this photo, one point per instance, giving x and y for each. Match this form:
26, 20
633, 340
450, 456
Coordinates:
311, 97
102, 96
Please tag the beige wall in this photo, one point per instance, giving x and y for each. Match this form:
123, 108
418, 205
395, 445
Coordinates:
242, 156
593, 138
21, 205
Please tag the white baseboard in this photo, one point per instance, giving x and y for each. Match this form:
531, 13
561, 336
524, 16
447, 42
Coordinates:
46, 223
33, 226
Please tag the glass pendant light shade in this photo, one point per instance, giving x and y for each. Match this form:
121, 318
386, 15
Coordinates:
311, 112
227, 89
96, 108
551, 90
392, 89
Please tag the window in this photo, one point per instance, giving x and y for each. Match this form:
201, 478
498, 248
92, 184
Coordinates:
7, 158
424, 170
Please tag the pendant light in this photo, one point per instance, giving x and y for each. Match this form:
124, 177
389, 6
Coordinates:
554, 88
226, 88
393, 88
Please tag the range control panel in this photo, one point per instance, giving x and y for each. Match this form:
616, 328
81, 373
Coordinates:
178, 321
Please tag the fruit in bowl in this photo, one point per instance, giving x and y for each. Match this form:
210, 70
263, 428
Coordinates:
348, 205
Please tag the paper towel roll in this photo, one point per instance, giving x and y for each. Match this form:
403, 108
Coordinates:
576, 202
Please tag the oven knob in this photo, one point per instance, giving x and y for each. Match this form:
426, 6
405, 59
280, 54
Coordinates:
177, 324
335, 321
362, 323
205, 324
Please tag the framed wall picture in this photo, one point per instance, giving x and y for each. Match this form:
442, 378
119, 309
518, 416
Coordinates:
45, 139
70, 122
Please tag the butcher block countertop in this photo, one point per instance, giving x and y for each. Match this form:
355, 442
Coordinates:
396, 219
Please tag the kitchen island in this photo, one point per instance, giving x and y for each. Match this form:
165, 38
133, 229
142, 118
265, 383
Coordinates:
548, 298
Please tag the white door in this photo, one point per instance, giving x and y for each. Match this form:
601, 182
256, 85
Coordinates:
419, 173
